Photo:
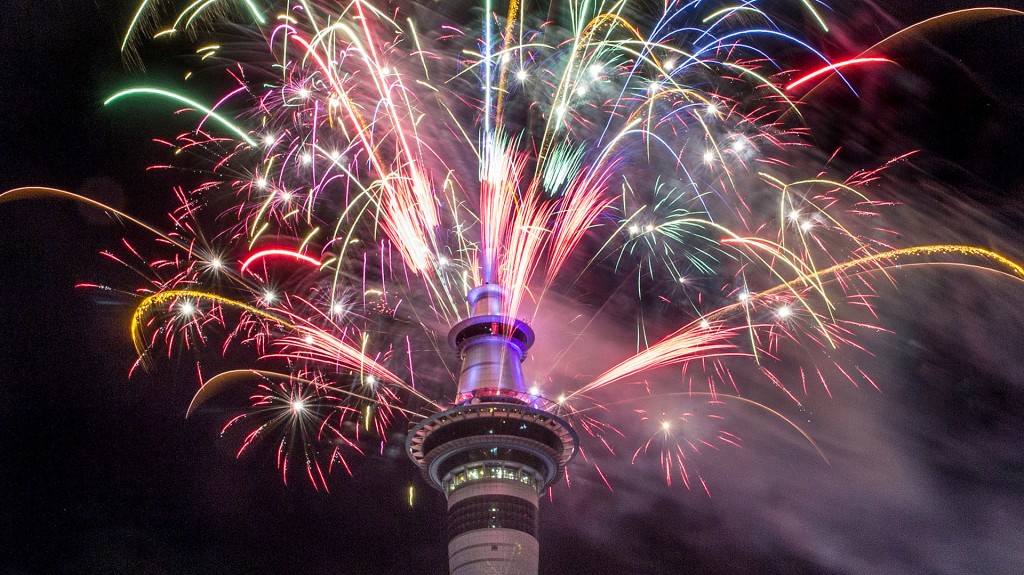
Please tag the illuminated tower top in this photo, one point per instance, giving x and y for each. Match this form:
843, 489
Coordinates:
492, 454
492, 347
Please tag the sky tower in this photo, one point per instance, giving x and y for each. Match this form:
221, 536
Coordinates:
494, 452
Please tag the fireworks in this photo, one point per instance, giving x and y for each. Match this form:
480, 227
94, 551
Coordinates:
370, 164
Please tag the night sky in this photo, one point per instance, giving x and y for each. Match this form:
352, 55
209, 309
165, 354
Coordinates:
102, 474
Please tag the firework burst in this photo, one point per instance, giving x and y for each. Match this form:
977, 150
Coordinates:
369, 164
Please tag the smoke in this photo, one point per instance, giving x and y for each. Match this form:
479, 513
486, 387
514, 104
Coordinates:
923, 476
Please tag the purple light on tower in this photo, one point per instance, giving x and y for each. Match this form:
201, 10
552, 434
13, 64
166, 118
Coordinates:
492, 454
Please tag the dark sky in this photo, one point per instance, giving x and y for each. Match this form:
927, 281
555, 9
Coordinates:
102, 474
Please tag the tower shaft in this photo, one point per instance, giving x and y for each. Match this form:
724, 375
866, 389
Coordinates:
492, 528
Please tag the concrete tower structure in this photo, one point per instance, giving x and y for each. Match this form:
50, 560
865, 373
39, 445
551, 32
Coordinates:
493, 453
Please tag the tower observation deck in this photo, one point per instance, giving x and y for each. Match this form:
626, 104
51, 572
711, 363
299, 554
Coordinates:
493, 453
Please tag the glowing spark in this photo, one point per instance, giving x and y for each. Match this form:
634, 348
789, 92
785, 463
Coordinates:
274, 252
833, 68
171, 95
255, 12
